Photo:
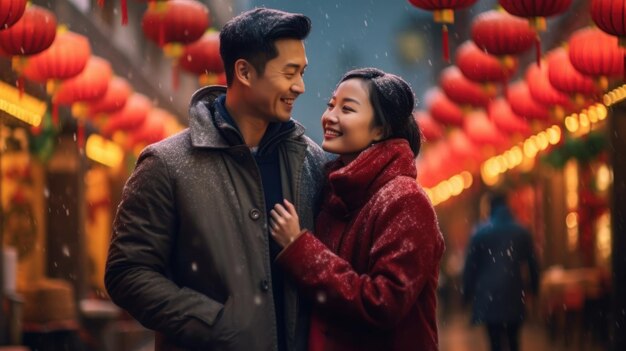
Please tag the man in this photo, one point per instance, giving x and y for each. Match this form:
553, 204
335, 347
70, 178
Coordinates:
191, 255
492, 278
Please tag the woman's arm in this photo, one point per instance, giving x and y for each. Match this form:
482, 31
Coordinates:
404, 256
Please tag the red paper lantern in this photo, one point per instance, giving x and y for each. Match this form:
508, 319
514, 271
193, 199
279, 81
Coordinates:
464, 152
536, 11
479, 66
595, 53
523, 104
151, 130
443, 109
33, 33
505, 119
500, 34
88, 85
609, 15
443, 12
431, 130
482, 131
203, 55
10, 12
65, 58
565, 78
131, 116
114, 100
175, 21
463, 91
542, 90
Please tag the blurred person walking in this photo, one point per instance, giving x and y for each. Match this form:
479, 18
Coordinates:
492, 278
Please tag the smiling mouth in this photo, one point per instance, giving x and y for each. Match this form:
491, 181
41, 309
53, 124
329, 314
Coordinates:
288, 101
332, 133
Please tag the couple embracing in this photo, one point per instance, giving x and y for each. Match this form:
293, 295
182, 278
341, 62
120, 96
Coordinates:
239, 234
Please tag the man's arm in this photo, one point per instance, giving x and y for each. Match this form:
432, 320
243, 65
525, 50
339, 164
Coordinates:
143, 232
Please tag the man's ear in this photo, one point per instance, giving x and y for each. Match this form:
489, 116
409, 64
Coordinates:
243, 71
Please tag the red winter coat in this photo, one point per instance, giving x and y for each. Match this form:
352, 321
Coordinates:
372, 267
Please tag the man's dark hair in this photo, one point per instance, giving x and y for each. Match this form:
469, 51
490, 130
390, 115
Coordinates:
252, 34
393, 101
497, 199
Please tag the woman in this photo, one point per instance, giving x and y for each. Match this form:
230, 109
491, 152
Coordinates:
371, 268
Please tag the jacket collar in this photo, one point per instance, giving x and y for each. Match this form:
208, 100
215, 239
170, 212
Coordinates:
349, 187
210, 129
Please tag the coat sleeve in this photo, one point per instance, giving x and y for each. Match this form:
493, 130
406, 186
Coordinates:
138, 259
404, 257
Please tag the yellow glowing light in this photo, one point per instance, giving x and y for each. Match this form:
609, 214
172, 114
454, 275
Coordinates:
571, 220
607, 100
456, 183
27, 108
518, 155
604, 178
603, 236
571, 199
489, 178
593, 114
583, 120
104, 151
571, 124
554, 134
572, 239
467, 179
530, 148
542, 140
602, 112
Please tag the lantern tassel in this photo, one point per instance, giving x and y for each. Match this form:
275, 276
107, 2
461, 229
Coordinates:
538, 50
20, 85
445, 44
124, 5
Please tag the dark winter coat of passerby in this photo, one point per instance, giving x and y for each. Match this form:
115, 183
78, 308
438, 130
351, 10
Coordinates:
492, 279
371, 266
191, 255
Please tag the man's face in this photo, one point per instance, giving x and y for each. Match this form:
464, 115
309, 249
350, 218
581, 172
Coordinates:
274, 93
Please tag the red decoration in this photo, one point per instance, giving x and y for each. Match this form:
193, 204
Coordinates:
608, 15
10, 12
130, 117
481, 130
564, 77
443, 12
89, 85
65, 58
500, 34
442, 109
431, 130
535, 11
463, 91
464, 150
114, 100
523, 104
33, 33
541, 89
176, 23
595, 53
203, 55
151, 130
479, 66
501, 114
435, 166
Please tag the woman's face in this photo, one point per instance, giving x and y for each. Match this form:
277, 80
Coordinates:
348, 122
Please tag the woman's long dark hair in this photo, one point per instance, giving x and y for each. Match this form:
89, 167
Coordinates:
393, 101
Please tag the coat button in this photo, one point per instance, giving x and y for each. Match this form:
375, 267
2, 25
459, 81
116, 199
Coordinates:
265, 285
254, 214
